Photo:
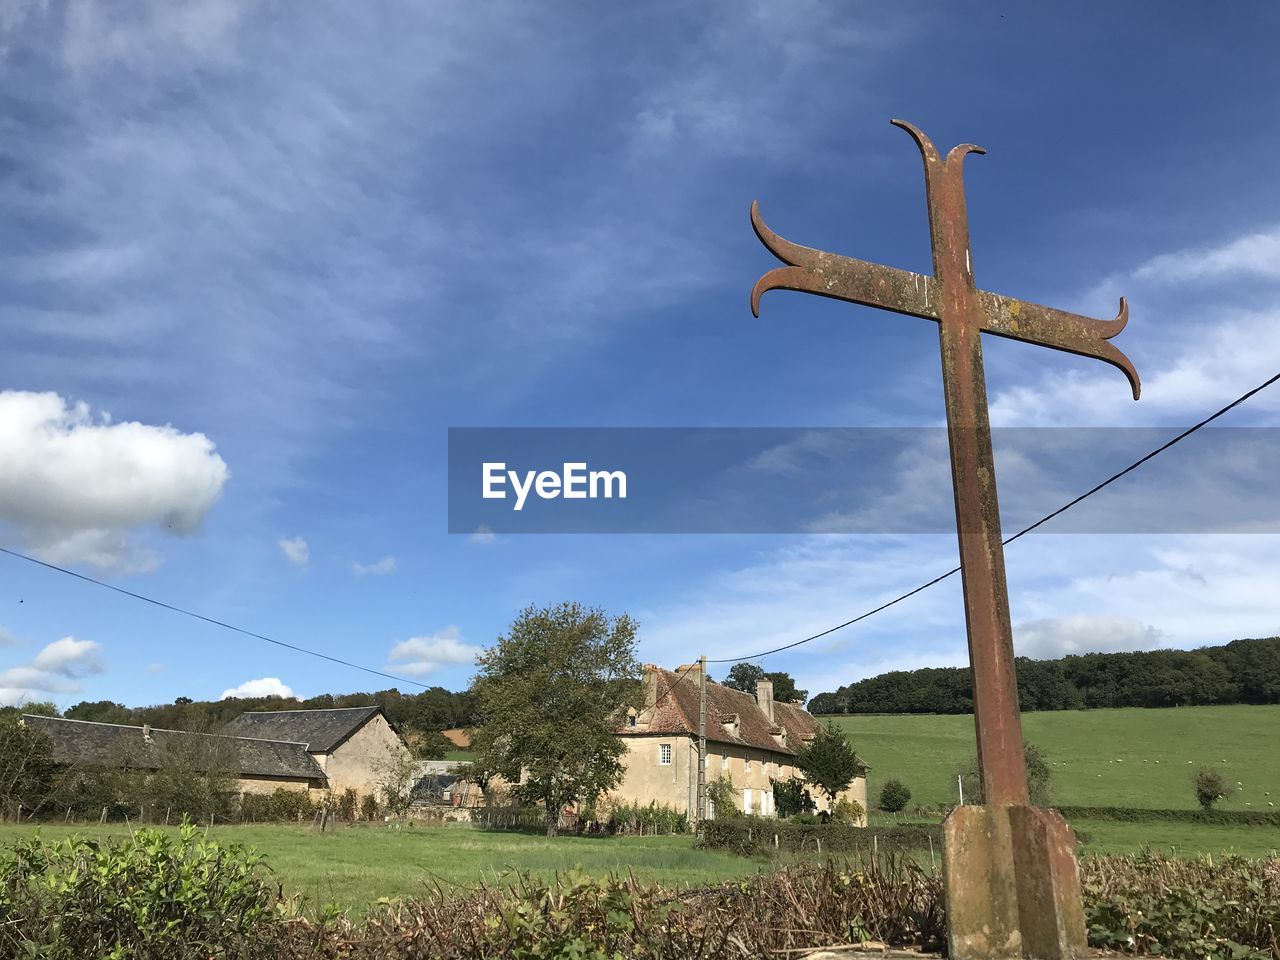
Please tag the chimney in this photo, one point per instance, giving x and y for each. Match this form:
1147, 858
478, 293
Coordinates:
650, 686
764, 697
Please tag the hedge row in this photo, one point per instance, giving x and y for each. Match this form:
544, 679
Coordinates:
749, 836
1249, 818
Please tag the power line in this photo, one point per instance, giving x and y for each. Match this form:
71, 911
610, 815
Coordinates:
258, 636
884, 606
217, 623
1023, 532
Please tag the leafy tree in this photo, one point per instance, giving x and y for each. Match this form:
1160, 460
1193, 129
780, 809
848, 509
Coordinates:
745, 676
1210, 787
785, 689
432, 745
791, 797
549, 693
828, 761
894, 796
1038, 776
26, 766
396, 774
101, 711
197, 777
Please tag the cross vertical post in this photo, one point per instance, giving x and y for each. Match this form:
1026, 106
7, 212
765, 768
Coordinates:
964, 386
1010, 872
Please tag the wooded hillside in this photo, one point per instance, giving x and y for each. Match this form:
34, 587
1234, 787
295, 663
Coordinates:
1243, 671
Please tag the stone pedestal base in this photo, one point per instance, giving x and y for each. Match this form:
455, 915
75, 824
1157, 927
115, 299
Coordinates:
1012, 885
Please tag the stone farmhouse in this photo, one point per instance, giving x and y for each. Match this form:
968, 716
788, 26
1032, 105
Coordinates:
266, 750
751, 740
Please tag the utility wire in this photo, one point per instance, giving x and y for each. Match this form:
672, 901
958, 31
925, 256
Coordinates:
884, 606
1021, 533
217, 623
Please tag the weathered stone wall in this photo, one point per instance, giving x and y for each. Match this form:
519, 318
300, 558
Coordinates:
270, 785
359, 761
675, 785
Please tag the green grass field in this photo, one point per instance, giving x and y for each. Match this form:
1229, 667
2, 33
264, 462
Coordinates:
355, 865
1121, 758
1133, 758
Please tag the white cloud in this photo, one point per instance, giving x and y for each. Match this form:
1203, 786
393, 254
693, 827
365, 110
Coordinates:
57, 669
156, 668
1255, 253
483, 536
295, 550
70, 657
379, 568
263, 687
7, 639
419, 655
78, 488
1054, 637
1203, 328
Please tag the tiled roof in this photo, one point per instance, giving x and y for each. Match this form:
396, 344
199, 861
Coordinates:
320, 730
85, 743
676, 712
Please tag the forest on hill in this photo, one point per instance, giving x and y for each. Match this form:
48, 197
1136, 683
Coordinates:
1243, 671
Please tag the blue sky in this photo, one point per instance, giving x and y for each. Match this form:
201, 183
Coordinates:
257, 259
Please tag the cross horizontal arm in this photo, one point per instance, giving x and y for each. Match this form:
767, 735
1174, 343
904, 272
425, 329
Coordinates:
843, 278
1084, 336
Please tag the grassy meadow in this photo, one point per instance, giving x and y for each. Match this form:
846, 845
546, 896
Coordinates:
1114, 758
1129, 757
354, 865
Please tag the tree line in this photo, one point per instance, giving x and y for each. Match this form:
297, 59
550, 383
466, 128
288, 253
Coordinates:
1243, 671
419, 716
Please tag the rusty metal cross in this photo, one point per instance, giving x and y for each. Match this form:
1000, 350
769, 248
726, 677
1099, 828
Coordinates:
962, 312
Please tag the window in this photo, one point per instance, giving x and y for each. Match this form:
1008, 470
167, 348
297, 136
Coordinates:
746, 801
631, 720
664, 754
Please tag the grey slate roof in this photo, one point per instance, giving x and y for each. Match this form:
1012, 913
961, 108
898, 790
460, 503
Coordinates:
85, 743
320, 730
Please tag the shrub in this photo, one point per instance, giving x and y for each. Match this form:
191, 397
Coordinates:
26, 766
894, 796
723, 797
791, 797
575, 917
281, 805
1248, 818
752, 836
847, 811
369, 807
1211, 907
1210, 787
156, 895
495, 817
1039, 776
650, 818
347, 805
